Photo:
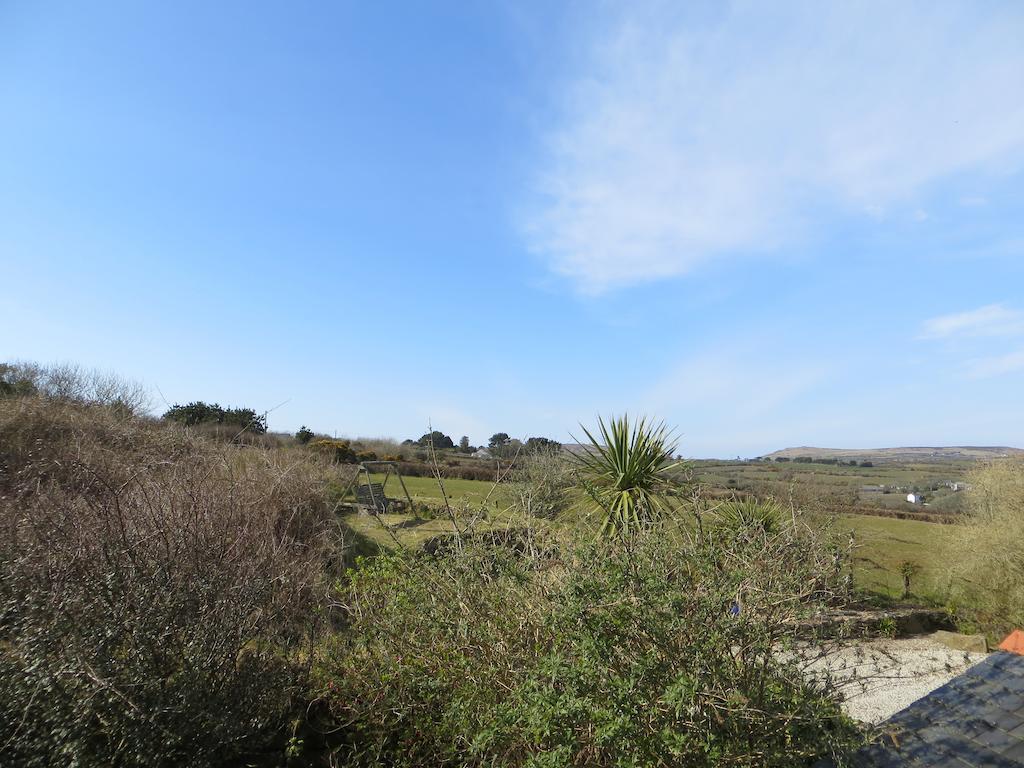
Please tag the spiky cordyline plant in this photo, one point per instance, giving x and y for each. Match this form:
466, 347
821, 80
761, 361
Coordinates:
625, 470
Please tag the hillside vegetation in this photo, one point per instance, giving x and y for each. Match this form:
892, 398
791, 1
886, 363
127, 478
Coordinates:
187, 591
912, 455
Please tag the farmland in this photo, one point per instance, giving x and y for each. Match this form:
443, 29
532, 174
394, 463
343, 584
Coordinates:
843, 488
882, 542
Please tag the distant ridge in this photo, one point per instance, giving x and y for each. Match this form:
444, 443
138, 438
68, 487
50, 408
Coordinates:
920, 454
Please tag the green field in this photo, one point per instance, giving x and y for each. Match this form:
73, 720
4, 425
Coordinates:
882, 544
836, 486
426, 489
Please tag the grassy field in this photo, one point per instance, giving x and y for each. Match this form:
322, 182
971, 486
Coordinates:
425, 489
883, 544
841, 486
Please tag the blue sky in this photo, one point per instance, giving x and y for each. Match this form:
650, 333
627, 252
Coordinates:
768, 224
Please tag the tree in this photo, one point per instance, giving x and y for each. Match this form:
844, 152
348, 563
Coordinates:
464, 444
986, 552
627, 471
304, 435
498, 439
439, 440
542, 445
199, 412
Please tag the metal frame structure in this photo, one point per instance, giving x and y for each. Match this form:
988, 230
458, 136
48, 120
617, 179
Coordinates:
378, 505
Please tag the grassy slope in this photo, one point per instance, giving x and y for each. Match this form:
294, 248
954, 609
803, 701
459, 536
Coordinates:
841, 484
883, 543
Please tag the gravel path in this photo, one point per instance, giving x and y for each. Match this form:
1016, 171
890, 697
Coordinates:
880, 677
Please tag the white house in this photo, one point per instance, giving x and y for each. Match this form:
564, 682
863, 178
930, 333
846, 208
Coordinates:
914, 498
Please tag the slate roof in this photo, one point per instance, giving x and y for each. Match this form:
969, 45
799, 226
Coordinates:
975, 720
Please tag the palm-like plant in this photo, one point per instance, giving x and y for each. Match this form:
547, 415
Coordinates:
626, 471
751, 516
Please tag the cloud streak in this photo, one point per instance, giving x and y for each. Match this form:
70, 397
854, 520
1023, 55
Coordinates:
999, 365
991, 320
725, 130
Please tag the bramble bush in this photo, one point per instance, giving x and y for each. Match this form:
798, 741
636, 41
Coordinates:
986, 556
158, 592
651, 649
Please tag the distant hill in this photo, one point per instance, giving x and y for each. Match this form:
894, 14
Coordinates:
919, 454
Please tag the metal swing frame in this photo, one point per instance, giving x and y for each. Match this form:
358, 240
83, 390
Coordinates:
371, 497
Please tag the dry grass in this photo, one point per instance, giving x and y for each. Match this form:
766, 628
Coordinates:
153, 581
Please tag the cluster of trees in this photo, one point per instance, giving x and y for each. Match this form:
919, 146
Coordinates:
500, 444
198, 412
833, 462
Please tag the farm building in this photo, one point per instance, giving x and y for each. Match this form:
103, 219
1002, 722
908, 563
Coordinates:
915, 498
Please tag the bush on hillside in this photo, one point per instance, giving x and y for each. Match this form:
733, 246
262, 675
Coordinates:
157, 591
198, 412
628, 651
987, 558
338, 451
436, 440
541, 445
67, 382
541, 483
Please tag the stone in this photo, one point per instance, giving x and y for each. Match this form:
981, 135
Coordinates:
958, 642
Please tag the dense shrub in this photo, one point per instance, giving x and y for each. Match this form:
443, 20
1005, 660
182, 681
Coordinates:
478, 470
199, 412
436, 440
67, 382
631, 651
540, 484
157, 592
987, 558
339, 451
541, 445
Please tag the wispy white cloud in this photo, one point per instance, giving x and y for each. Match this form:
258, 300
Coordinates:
720, 129
733, 386
991, 320
973, 201
999, 365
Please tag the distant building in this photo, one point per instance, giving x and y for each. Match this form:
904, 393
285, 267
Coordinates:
482, 453
914, 498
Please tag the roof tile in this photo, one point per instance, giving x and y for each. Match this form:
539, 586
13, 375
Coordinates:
974, 721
